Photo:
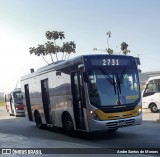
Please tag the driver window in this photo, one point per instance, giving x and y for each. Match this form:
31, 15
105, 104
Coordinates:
92, 85
151, 88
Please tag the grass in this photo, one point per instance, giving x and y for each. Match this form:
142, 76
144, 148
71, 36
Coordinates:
1, 103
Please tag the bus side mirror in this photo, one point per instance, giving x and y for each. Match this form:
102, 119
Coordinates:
85, 76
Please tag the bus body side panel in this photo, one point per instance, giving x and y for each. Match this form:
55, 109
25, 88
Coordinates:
38, 94
151, 92
155, 98
34, 97
60, 96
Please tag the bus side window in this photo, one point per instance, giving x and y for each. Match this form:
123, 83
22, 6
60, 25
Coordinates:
151, 89
76, 87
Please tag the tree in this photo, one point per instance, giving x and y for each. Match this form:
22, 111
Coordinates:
124, 46
124, 49
109, 50
39, 51
51, 48
68, 48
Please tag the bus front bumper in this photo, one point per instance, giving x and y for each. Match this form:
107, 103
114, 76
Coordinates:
96, 125
20, 113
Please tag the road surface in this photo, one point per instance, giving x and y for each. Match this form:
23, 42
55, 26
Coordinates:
18, 132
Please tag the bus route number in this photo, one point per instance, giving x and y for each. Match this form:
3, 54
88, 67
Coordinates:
110, 62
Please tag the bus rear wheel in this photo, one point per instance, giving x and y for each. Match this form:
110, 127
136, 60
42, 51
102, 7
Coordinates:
154, 108
68, 125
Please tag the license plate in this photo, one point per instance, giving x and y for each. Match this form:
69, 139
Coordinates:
121, 123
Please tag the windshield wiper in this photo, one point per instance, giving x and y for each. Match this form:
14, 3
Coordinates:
113, 82
119, 79
119, 83
116, 81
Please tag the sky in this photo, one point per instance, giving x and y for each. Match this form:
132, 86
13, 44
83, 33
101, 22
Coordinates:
23, 24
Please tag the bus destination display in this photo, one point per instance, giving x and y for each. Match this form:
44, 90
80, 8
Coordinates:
111, 61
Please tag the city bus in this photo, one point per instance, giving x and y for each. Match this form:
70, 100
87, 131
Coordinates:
151, 94
87, 93
14, 102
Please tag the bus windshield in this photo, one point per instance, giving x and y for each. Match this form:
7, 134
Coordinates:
17, 96
108, 87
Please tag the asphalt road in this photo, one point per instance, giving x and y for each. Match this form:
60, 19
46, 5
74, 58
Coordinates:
19, 128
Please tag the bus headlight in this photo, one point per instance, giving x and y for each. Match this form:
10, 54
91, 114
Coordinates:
94, 115
139, 110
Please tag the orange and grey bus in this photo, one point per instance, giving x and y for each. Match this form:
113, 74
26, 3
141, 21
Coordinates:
87, 93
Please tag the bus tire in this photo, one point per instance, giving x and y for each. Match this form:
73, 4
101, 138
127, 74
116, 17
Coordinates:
154, 108
68, 125
10, 114
38, 121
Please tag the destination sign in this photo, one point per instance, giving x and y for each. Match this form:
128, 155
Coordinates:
111, 61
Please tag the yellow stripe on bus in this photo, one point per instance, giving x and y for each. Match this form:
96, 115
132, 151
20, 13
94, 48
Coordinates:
131, 97
117, 115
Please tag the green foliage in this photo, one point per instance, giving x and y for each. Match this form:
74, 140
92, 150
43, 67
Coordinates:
54, 35
109, 51
68, 47
1, 103
52, 49
124, 47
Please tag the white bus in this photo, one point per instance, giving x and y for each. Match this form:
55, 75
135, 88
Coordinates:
14, 102
87, 93
151, 94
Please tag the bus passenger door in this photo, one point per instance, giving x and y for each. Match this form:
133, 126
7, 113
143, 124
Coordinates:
45, 100
78, 99
11, 105
28, 104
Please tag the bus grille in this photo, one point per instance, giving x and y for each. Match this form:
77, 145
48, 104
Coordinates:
112, 109
120, 123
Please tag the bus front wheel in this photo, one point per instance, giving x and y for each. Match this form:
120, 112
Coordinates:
154, 108
68, 125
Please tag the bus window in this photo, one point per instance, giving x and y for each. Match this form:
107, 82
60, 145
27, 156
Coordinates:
17, 96
151, 88
107, 87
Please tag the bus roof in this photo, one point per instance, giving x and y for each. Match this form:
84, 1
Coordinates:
154, 78
63, 64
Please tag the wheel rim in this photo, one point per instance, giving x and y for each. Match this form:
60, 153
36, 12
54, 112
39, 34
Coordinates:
68, 124
154, 108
